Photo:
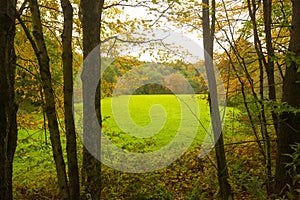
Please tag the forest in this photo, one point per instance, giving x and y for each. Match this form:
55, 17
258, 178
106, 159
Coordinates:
150, 99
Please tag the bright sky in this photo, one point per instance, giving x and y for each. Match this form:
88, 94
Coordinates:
189, 41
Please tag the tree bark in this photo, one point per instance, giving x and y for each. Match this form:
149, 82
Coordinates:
43, 60
8, 106
91, 171
67, 58
289, 133
208, 39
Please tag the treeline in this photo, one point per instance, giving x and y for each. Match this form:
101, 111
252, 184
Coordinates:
128, 75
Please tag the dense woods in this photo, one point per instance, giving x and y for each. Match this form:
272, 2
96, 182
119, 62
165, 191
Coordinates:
55, 54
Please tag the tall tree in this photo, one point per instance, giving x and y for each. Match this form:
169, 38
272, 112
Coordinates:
67, 56
289, 132
91, 18
39, 46
8, 107
268, 63
208, 40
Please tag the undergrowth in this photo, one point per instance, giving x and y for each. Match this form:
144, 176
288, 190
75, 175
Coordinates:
189, 177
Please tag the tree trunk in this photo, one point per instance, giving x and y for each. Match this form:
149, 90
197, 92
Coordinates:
67, 58
208, 38
91, 171
8, 106
289, 133
43, 60
268, 64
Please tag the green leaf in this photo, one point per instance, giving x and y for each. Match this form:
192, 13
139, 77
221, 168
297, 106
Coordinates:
290, 58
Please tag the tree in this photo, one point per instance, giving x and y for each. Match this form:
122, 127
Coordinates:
208, 39
39, 46
8, 106
67, 58
289, 121
268, 63
91, 171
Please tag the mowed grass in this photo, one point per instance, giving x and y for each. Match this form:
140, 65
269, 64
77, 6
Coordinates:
142, 123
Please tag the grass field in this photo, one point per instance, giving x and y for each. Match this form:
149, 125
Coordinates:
188, 177
149, 122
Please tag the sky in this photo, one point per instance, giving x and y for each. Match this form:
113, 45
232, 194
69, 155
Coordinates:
188, 41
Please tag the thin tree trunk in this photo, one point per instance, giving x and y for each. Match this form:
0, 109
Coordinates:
289, 133
269, 65
208, 38
67, 58
91, 171
241, 62
43, 60
8, 106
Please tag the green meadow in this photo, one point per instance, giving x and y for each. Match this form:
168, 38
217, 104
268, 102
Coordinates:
137, 123
149, 122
